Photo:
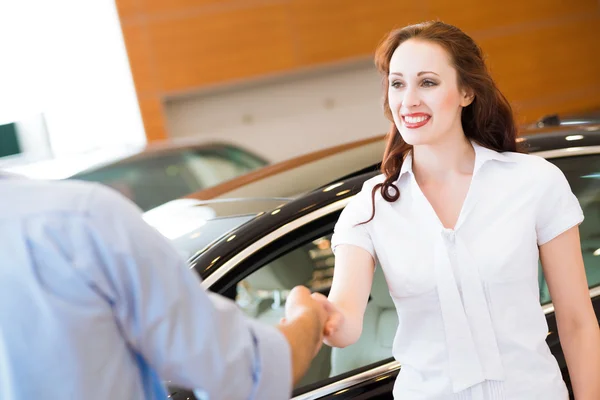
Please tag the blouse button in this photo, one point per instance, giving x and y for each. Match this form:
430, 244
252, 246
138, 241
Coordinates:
449, 234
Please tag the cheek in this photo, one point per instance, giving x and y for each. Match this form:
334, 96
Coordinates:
394, 99
446, 102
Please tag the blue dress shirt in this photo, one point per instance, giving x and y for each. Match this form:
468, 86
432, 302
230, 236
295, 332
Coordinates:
95, 304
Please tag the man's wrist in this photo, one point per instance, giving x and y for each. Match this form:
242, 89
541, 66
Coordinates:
302, 326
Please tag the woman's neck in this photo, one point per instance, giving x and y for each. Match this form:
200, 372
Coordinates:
437, 162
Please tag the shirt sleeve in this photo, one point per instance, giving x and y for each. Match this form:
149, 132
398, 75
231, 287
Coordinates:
558, 208
348, 229
189, 337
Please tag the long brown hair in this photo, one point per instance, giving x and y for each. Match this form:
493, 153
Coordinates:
488, 120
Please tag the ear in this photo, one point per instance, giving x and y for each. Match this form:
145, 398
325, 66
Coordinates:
467, 97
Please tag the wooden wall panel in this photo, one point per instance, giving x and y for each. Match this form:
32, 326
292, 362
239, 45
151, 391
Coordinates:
543, 53
546, 61
128, 8
151, 108
209, 48
586, 99
187, 7
141, 61
332, 30
474, 15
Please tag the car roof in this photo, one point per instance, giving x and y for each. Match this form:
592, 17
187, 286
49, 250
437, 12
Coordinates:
587, 117
301, 174
560, 137
96, 159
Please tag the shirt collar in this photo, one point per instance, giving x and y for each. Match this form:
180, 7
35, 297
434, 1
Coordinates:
482, 155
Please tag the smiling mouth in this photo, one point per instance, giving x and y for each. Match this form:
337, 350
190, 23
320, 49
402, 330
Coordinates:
417, 121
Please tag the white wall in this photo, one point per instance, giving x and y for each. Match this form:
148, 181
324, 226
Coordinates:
66, 60
285, 117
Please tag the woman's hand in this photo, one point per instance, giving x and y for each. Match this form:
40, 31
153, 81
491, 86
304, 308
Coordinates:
334, 320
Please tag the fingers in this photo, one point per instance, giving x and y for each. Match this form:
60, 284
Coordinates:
334, 317
299, 294
332, 324
327, 313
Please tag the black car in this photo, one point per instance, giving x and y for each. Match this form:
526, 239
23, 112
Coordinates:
255, 250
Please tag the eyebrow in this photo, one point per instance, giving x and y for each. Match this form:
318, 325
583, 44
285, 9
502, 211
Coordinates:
419, 74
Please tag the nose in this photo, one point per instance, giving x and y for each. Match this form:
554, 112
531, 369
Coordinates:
411, 97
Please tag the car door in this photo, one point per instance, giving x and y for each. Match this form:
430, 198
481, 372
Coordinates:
300, 254
582, 170
260, 279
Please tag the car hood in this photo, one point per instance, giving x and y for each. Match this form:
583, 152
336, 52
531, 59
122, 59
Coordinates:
193, 224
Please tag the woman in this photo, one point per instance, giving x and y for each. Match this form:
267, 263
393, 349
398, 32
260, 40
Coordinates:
457, 221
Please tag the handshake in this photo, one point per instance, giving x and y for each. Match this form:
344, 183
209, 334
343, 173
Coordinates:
310, 320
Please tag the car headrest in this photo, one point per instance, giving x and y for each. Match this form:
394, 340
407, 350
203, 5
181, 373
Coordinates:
283, 273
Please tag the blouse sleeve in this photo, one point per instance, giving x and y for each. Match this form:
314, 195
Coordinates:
558, 209
348, 229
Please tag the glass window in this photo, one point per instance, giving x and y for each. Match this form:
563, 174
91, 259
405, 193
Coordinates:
212, 166
583, 174
148, 182
262, 295
156, 179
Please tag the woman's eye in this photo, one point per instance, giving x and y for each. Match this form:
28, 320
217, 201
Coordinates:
396, 84
428, 83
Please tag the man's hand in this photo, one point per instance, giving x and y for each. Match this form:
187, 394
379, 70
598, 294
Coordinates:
303, 327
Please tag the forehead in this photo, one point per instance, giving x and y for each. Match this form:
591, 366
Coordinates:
414, 56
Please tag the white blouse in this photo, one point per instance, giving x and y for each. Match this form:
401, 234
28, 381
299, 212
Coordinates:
470, 321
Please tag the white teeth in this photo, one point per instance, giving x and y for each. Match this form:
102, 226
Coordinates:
415, 120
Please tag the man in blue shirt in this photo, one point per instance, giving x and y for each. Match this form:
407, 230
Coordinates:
95, 304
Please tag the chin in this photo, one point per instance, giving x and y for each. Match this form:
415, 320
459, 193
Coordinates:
415, 138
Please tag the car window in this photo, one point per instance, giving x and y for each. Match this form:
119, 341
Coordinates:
148, 182
583, 174
212, 166
262, 296
158, 178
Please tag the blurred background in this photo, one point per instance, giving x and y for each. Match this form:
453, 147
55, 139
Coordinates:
84, 84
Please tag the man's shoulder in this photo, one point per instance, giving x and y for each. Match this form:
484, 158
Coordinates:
23, 197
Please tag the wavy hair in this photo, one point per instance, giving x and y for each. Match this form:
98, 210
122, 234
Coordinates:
488, 120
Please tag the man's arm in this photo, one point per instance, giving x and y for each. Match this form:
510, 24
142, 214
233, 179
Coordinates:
190, 338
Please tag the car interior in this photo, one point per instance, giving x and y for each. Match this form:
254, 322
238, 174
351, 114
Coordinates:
262, 295
583, 174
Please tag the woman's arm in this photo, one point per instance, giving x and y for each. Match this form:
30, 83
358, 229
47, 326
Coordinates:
349, 295
577, 324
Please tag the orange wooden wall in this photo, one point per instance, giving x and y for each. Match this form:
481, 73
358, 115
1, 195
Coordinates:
544, 54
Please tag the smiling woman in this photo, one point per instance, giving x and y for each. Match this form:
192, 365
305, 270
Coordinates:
457, 222
436, 82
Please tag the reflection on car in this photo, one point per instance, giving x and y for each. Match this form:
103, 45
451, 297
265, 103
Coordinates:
255, 250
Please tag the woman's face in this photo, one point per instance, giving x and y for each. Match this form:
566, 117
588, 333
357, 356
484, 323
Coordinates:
424, 98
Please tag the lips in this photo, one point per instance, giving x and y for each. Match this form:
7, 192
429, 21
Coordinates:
417, 120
